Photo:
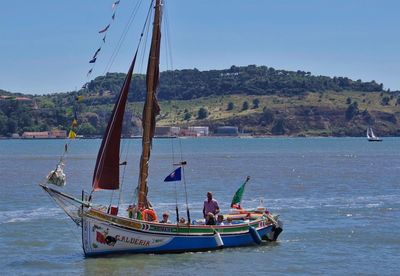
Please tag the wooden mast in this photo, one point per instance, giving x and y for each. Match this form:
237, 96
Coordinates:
151, 108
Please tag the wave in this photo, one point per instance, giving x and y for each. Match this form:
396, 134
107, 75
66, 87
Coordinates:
328, 202
30, 215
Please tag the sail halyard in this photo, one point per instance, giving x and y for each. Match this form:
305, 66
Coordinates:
151, 108
106, 173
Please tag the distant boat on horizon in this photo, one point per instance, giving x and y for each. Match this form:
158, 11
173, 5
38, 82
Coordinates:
371, 136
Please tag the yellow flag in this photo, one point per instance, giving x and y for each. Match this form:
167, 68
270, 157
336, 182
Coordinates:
74, 123
71, 134
79, 98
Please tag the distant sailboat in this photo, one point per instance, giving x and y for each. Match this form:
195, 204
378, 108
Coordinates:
371, 136
108, 230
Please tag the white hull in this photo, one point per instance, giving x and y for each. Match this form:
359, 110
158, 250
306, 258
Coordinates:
106, 234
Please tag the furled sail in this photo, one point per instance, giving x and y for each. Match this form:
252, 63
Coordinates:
106, 172
151, 108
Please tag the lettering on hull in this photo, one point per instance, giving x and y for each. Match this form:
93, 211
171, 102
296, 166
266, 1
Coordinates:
132, 240
101, 237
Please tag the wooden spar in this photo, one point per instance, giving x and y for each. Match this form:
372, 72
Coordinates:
151, 108
50, 190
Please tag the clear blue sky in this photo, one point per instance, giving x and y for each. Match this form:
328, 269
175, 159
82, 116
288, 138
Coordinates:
45, 45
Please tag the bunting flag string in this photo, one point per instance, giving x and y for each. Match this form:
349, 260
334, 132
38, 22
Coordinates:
103, 31
72, 134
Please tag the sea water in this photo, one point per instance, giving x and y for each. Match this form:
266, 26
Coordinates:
338, 198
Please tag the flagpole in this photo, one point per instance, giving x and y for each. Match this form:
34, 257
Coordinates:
176, 204
184, 184
245, 182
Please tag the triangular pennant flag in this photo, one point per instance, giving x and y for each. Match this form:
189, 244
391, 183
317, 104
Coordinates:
105, 29
176, 175
97, 51
74, 123
113, 16
104, 38
115, 4
71, 134
93, 60
79, 98
90, 71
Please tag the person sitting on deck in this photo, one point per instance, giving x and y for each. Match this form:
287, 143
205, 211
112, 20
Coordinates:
182, 221
165, 217
220, 220
210, 219
131, 210
210, 205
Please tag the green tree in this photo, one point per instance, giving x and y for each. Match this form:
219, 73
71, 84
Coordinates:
385, 101
230, 106
256, 103
3, 124
245, 105
92, 118
267, 117
351, 111
11, 126
202, 113
187, 116
279, 127
86, 129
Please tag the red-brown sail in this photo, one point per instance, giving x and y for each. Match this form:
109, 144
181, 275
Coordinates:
106, 172
151, 108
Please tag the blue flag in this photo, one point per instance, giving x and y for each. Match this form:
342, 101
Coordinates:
174, 176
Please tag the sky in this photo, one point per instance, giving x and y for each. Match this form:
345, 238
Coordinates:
45, 45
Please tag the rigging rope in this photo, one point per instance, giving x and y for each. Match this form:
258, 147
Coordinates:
169, 62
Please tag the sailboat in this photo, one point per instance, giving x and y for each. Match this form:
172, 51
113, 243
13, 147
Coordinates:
111, 230
371, 136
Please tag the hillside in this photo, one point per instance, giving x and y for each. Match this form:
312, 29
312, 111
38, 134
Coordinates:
279, 102
247, 80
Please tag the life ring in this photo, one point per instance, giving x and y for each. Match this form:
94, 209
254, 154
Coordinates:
149, 215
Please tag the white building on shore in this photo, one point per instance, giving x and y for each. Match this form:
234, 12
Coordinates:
199, 130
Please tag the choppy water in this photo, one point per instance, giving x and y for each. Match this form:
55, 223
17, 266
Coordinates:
338, 197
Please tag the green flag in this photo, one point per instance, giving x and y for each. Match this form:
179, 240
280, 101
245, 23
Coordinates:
237, 198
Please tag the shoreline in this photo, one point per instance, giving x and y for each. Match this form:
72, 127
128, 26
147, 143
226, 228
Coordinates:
199, 137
